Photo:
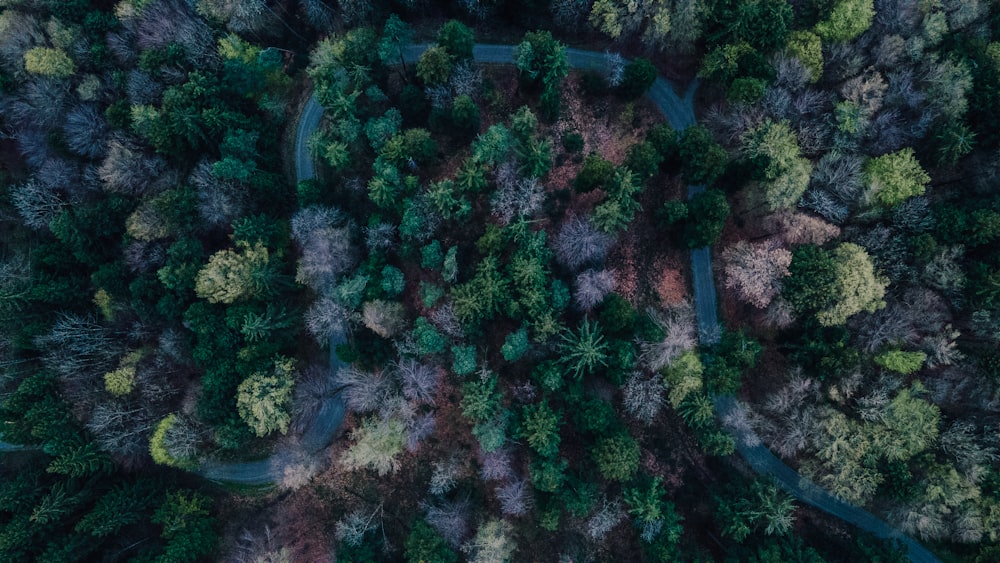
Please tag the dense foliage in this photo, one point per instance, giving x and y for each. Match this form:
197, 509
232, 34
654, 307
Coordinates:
486, 270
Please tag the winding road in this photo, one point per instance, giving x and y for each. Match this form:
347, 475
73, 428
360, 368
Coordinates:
680, 113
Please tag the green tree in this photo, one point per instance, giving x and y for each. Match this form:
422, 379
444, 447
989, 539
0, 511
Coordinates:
548, 474
427, 338
233, 275
622, 19
412, 146
480, 399
643, 159
465, 114
595, 173
773, 150
708, 212
616, 456
645, 501
263, 399
434, 66
901, 362
807, 47
683, 377
186, 524
425, 545
396, 34
763, 24
480, 298
812, 274
910, 426
464, 359
457, 38
393, 282
761, 506
584, 350
540, 59
515, 345
703, 160
639, 77
847, 20
46, 61
492, 146
894, 177
856, 286
540, 427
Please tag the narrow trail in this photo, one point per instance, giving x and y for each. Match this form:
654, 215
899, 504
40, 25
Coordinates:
680, 113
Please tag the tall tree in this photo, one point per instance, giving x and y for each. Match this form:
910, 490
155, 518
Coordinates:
755, 271
263, 399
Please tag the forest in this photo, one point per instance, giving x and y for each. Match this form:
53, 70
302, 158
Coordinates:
498, 280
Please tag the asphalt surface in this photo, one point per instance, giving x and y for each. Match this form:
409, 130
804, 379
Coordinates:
680, 113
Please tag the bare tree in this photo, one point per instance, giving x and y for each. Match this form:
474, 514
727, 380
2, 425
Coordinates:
380, 237
972, 452
419, 381
384, 318
122, 427
515, 196
514, 497
592, 286
569, 14
451, 520
466, 79
352, 528
325, 239
220, 202
799, 228
19, 32
496, 465
443, 318
38, 104
366, 392
295, 466
790, 73
579, 244
259, 548
779, 314
86, 131
445, 476
33, 145
171, 21
36, 203
326, 318
127, 170
318, 15
605, 519
680, 334
945, 273
740, 422
643, 396
314, 387
419, 427
755, 271
614, 68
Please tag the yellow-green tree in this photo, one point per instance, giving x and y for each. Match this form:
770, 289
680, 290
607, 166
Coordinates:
46, 61
231, 275
263, 399
856, 286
